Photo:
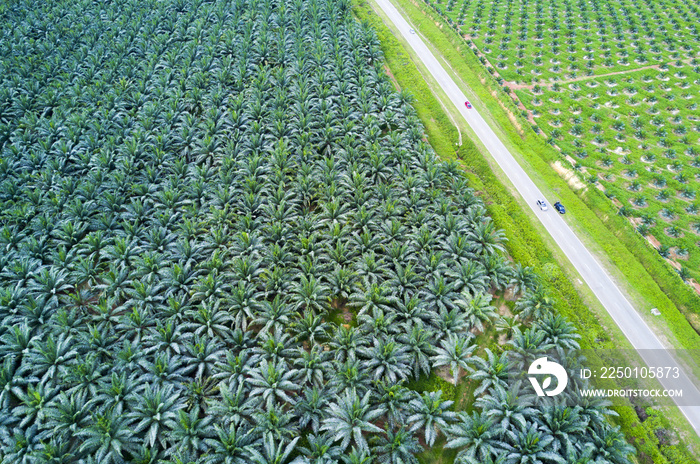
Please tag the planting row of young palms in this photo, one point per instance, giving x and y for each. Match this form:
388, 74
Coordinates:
603, 82
548, 40
636, 138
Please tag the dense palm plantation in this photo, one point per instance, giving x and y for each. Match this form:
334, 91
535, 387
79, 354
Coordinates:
224, 240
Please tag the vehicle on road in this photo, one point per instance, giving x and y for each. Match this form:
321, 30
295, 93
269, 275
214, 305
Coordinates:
468, 105
559, 207
542, 204
411, 31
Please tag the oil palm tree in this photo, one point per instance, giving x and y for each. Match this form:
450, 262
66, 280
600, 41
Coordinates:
350, 418
609, 444
117, 394
479, 310
470, 277
455, 351
201, 355
508, 408
32, 402
534, 305
379, 323
419, 342
273, 346
276, 422
274, 452
321, 450
189, 431
582, 454
50, 358
244, 302
24, 445
351, 375
492, 372
311, 408
498, 271
375, 296
558, 332
346, 342
485, 239
565, 424
310, 293
67, 414
404, 280
398, 447
523, 279
451, 322
356, 456
430, 413
395, 399
342, 280
108, 438
166, 338
156, 410
411, 312
163, 369
48, 283
17, 341
474, 436
233, 445
273, 314
508, 325
209, 319
313, 366
528, 444
387, 359
233, 402
528, 345
439, 296
272, 382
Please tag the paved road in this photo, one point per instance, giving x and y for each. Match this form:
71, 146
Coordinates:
625, 316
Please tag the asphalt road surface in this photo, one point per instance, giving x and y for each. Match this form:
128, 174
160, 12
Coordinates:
623, 313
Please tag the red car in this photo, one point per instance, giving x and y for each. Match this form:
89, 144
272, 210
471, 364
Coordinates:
468, 105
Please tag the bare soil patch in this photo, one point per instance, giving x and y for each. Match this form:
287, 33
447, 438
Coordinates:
569, 175
676, 257
444, 373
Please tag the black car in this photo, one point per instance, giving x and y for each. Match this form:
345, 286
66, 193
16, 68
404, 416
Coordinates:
559, 207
